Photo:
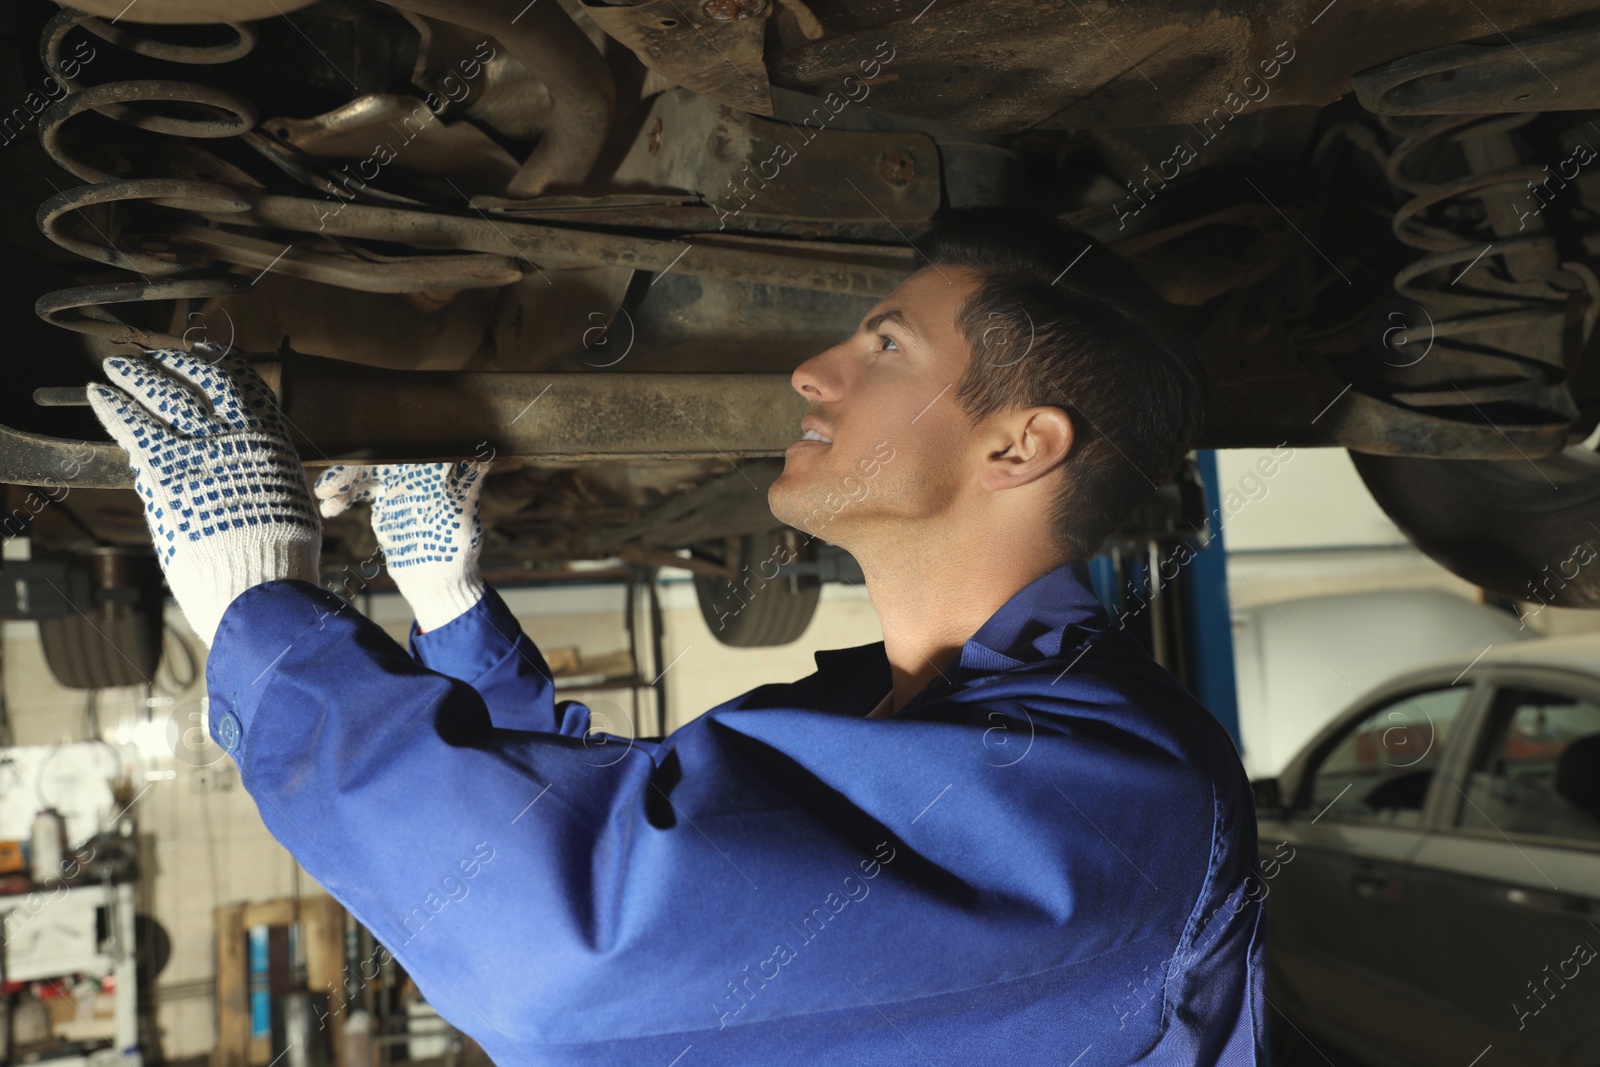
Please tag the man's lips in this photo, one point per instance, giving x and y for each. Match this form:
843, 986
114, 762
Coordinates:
813, 431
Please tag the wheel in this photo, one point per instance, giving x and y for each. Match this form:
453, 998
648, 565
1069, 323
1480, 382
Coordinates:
768, 604
115, 639
1525, 529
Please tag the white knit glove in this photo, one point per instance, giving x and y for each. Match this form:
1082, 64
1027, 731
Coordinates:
426, 519
225, 495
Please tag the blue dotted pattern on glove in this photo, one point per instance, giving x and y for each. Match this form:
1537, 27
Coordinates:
421, 512
207, 462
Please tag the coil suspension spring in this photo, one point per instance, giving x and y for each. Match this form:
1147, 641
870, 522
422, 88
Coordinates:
204, 112
1504, 336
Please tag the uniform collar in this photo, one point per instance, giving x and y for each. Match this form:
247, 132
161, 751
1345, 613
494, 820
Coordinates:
1033, 625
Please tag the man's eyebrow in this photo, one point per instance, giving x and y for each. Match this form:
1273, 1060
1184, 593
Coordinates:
896, 316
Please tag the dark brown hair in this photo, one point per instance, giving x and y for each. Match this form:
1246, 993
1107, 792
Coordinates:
1059, 320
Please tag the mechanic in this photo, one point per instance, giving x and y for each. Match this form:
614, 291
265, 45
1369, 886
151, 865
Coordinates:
1002, 835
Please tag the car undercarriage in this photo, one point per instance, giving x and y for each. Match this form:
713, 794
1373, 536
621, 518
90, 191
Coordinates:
591, 242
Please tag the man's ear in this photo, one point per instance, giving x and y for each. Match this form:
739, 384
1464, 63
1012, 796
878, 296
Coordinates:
1025, 445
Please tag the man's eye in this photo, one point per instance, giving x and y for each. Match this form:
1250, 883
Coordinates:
888, 342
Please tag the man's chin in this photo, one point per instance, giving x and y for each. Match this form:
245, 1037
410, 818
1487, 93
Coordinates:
794, 500
783, 500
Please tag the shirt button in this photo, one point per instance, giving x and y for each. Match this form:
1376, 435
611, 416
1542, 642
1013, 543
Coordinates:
228, 731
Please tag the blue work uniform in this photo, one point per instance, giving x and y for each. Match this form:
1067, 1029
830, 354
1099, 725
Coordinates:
1047, 857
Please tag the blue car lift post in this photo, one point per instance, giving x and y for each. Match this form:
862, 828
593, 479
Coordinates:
1175, 603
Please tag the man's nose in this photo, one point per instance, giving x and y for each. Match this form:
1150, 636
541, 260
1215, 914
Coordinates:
817, 379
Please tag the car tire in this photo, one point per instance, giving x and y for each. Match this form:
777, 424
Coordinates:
759, 610
1523, 529
116, 639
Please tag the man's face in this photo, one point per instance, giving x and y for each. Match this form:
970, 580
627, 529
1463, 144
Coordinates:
899, 446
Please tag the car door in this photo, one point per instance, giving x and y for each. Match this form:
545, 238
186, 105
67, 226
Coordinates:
1336, 909
1505, 901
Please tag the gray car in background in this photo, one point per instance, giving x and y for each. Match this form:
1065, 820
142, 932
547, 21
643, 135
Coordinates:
1431, 865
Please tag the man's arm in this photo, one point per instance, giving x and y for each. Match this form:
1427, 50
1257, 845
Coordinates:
471, 851
486, 648
426, 520
525, 878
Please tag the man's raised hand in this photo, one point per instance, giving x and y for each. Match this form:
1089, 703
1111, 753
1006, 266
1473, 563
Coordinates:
224, 492
426, 520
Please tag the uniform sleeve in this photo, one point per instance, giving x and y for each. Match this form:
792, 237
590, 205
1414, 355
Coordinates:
486, 648
772, 863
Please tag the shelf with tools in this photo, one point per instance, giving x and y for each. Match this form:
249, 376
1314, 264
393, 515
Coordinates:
77, 943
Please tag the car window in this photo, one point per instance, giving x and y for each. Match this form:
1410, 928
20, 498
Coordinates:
1380, 770
1540, 772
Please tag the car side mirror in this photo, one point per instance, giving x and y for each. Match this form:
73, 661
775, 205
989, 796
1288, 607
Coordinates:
1268, 797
